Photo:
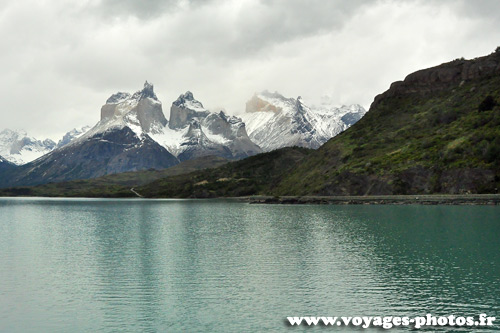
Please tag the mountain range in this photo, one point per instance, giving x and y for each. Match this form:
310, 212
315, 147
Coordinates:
134, 134
435, 132
19, 148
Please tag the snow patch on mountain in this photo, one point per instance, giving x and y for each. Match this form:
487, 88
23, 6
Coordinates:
72, 135
19, 148
194, 131
274, 121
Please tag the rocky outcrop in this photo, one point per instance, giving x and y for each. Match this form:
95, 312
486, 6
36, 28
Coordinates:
444, 76
71, 135
201, 132
185, 109
143, 106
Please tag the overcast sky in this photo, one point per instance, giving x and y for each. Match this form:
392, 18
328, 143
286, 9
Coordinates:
60, 60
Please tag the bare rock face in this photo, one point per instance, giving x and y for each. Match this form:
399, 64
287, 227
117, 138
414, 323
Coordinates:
185, 109
444, 76
143, 106
71, 135
202, 132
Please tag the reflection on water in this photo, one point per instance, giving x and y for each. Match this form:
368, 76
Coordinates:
181, 265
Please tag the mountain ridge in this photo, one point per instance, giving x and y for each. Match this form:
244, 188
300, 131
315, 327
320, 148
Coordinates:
133, 134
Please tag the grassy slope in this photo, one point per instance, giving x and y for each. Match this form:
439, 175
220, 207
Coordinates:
439, 132
254, 175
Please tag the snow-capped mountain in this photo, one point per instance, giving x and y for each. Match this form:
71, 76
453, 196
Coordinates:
19, 148
119, 142
274, 121
194, 131
71, 135
133, 134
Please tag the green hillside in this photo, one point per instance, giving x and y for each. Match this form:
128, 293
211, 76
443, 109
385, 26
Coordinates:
438, 142
253, 175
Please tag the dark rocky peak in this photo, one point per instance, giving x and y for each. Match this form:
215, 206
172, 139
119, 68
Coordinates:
49, 143
146, 92
188, 96
117, 98
299, 104
275, 94
187, 100
223, 115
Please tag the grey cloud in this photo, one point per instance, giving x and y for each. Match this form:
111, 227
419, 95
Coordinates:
145, 9
214, 32
68, 58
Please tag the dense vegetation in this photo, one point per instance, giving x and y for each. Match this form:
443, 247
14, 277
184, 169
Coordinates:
253, 175
452, 133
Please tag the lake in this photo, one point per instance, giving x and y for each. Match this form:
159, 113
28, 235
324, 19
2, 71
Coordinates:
88, 265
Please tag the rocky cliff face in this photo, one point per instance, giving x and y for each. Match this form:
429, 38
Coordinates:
185, 109
444, 76
274, 121
194, 131
141, 109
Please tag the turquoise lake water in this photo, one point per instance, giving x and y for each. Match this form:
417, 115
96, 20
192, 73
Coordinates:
84, 265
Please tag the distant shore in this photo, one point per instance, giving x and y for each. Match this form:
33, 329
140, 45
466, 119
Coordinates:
434, 199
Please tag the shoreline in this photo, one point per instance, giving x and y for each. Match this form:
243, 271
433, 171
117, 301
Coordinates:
426, 199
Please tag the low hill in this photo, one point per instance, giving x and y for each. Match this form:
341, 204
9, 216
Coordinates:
115, 185
256, 174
